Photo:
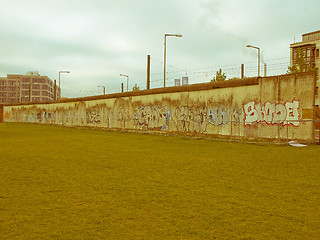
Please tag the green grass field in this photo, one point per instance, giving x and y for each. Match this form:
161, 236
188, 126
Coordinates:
65, 183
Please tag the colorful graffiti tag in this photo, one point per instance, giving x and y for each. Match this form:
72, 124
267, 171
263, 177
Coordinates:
150, 117
222, 115
93, 116
272, 113
185, 118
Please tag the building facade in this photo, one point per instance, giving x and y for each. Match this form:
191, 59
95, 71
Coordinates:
310, 46
27, 88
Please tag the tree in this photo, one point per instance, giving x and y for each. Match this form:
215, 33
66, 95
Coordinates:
300, 64
220, 76
135, 88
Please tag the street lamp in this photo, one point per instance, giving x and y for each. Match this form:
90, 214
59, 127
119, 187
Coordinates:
123, 75
165, 53
250, 46
59, 81
104, 89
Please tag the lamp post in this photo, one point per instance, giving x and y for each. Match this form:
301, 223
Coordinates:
250, 46
123, 75
104, 89
165, 53
59, 81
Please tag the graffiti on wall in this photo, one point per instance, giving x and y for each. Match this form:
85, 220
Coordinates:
185, 118
93, 116
7, 115
121, 113
150, 117
272, 113
191, 119
222, 115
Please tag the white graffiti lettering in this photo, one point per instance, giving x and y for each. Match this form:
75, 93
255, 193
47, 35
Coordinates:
271, 113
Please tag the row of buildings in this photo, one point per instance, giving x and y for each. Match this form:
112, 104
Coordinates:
35, 88
28, 88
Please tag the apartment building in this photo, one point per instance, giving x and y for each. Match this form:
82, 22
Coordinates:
310, 46
31, 87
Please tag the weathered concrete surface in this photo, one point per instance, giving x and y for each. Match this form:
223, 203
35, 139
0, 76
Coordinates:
251, 108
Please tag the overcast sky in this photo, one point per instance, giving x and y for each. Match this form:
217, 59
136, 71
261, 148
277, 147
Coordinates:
96, 40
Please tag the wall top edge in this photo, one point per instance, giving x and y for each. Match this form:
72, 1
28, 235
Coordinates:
186, 88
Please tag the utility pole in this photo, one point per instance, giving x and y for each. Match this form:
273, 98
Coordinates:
123, 75
148, 72
242, 71
121, 87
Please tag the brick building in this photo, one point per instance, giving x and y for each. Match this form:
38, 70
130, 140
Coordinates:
27, 88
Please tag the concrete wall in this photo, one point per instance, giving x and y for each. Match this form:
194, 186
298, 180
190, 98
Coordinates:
251, 108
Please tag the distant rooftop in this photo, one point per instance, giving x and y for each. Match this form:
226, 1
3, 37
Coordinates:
311, 36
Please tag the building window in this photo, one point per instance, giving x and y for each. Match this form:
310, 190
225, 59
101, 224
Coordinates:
35, 93
308, 52
317, 53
